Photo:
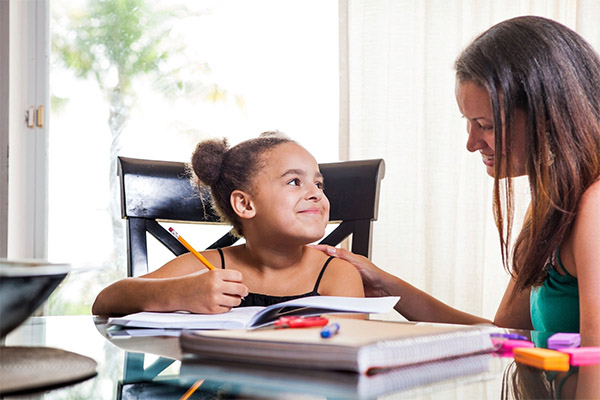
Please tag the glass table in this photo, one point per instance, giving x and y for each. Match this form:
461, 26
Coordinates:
153, 367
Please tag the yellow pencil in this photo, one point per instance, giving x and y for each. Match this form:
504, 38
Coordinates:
191, 249
192, 389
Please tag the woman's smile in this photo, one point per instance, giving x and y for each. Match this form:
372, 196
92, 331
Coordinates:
488, 160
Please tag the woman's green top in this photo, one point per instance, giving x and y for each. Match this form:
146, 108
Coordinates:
555, 304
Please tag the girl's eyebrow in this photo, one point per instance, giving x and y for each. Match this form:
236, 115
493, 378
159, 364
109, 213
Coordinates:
293, 172
299, 172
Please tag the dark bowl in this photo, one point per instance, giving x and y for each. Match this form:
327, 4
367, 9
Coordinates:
24, 286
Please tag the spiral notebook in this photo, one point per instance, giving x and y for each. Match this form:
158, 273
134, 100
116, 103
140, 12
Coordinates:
262, 381
362, 346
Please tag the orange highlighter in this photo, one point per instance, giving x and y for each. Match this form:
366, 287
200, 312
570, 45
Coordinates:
548, 360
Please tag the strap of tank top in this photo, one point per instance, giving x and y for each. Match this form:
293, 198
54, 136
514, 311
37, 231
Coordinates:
222, 258
559, 263
321, 273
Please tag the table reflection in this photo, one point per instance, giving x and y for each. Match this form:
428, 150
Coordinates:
149, 367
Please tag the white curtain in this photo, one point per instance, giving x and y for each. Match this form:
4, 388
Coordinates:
435, 226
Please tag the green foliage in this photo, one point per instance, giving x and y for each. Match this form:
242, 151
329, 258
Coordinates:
117, 41
114, 39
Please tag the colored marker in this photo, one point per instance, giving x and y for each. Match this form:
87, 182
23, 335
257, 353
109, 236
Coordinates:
509, 336
330, 330
508, 345
548, 360
560, 340
300, 322
582, 355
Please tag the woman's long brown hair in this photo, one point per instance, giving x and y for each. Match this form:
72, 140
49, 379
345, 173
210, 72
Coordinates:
551, 73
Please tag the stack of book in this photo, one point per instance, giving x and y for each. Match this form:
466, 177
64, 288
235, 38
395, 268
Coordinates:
361, 346
364, 357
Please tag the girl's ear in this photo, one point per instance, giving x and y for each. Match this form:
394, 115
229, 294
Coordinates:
242, 205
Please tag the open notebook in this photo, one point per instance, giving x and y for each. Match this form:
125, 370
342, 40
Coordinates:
360, 345
253, 317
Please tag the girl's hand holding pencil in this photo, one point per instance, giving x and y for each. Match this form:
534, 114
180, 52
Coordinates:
219, 288
207, 292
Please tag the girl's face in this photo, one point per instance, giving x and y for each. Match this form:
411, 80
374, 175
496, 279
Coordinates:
475, 105
288, 195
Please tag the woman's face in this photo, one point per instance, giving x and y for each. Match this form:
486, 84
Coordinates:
475, 105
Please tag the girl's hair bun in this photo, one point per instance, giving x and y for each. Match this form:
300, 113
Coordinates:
207, 159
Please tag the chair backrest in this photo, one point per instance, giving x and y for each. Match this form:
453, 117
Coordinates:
154, 191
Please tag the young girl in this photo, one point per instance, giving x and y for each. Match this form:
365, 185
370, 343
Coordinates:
271, 191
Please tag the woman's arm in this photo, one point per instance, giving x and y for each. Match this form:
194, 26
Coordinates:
514, 313
178, 285
584, 241
414, 304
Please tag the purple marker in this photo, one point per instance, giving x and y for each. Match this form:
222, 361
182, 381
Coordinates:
514, 336
560, 340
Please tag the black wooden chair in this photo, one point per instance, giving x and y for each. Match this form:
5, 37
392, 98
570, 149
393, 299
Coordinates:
153, 191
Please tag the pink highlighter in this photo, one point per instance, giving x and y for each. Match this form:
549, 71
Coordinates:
508, 345
582, 355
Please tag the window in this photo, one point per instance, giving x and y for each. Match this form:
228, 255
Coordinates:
150, 81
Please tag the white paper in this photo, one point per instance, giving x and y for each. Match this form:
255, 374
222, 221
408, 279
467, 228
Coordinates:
246, 317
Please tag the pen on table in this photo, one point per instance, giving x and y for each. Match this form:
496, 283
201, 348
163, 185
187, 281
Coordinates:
330, 330
199, 256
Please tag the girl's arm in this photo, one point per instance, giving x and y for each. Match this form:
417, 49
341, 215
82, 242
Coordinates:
178, 285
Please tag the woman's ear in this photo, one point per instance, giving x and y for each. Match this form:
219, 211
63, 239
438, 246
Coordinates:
241, 203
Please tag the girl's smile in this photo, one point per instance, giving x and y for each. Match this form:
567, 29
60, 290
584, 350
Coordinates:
311, 211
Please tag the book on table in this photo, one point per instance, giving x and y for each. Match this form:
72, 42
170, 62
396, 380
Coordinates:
253, 317
363, 346
258, 381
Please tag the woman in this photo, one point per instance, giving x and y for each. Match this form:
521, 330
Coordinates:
529, 89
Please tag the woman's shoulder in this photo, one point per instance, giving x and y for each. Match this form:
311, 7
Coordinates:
588, 210
585, 226
592, 193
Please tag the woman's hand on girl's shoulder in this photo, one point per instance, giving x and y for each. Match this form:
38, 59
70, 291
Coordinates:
373, 278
